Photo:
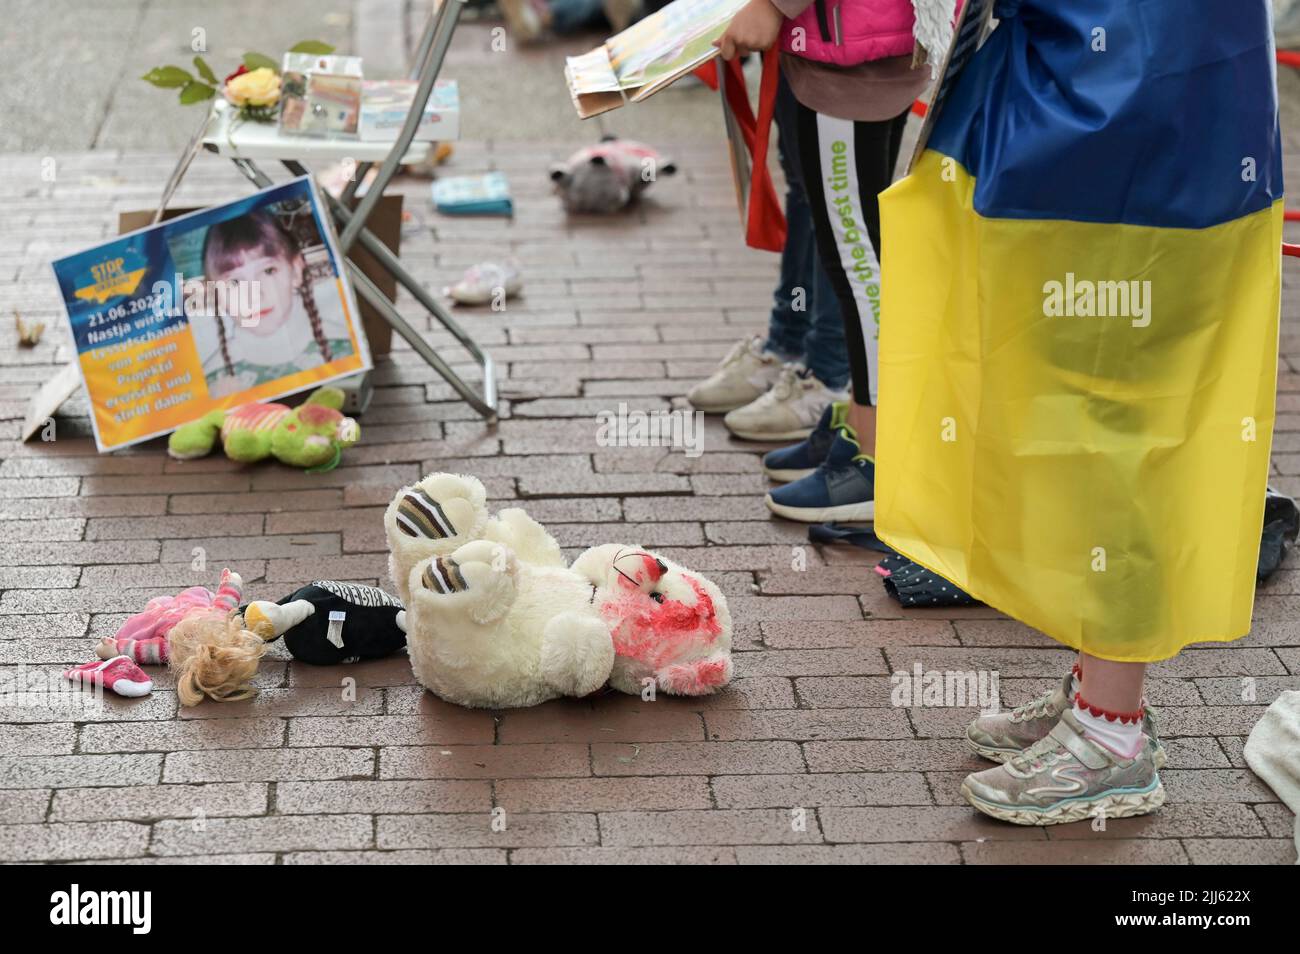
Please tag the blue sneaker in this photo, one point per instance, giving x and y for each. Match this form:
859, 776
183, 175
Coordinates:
841, 488
799, 460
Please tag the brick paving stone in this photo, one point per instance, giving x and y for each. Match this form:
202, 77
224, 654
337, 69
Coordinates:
695, 758
816, 791
1277, 819
61, 841
25, 806
602, 794
919, 824
913, 853
30, 707
1240, 851
808, 724
45, 738
73, 771
806, 634
1209, 720
46, 626
1213, 785
487, 830
467, 728
308, 798
577, 721
544, 760
300, 703
246, 858
270, 833
154, 802
690, 855
172, 736
448, 856
1196, 753
915, 754
1073, 853
268, 765
1177, 820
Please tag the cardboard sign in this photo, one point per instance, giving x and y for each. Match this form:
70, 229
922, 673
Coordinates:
230, 305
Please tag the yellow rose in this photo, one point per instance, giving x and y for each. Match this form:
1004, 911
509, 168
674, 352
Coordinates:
259, 87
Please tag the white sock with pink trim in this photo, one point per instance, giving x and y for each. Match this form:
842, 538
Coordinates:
1121, 732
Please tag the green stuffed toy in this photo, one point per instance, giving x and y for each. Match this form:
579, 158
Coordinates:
312, 435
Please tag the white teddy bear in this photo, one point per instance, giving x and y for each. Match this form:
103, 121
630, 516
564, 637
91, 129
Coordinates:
495, 619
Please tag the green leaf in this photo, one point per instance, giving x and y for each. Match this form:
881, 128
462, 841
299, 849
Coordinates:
205, 71
255, 61
167, 77
314, 47
196, 92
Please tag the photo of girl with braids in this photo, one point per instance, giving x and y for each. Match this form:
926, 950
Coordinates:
294, 327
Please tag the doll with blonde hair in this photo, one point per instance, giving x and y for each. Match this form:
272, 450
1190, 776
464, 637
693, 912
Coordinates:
201, 636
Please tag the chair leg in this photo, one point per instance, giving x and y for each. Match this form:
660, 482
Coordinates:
393, 265
485, 403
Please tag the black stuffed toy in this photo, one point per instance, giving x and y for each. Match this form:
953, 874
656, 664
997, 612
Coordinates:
327, 622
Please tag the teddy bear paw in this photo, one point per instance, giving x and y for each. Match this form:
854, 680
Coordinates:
480, 575
439, 509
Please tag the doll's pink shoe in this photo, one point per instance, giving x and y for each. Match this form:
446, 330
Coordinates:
119, 674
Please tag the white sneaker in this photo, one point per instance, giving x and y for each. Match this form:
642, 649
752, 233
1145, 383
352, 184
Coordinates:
788, 411
746, 373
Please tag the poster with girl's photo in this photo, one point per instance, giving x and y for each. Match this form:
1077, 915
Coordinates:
243, 302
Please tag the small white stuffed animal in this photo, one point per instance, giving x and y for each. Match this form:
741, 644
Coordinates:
495, 619
609, 175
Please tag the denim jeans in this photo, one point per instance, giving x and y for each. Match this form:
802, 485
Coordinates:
570, 16
806, 324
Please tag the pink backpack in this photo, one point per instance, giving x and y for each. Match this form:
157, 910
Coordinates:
849, 32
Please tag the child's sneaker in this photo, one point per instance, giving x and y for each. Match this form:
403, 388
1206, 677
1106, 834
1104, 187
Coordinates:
841, 488
788, 411
1003, 735
1065, 777
746, 373
800, 460
120, 674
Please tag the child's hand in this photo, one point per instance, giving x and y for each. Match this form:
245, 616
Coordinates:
754, 28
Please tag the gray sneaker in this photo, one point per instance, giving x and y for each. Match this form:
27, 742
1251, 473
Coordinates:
1003, 734
1065, 777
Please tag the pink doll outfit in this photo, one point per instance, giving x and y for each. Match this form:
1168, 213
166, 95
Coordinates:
143, 637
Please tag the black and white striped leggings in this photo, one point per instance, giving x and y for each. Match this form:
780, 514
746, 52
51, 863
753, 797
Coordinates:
846, 165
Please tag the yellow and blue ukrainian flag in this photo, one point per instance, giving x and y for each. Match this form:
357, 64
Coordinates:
1078, 354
